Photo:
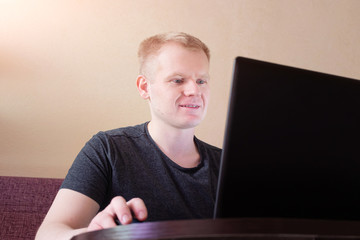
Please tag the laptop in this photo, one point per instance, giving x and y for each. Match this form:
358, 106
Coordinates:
291, 146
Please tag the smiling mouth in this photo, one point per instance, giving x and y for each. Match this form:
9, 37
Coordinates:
190, 106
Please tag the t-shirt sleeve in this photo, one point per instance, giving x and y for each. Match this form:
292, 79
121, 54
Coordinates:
90, 173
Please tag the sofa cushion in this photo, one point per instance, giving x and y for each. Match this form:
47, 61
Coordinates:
24, 203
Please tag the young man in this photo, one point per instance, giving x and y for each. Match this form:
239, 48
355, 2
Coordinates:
154, 171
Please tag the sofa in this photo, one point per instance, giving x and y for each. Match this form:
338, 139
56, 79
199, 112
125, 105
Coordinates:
24, 202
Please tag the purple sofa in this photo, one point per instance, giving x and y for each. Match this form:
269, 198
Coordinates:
24, 203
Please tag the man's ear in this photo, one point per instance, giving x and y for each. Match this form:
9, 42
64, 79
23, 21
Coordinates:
142, 86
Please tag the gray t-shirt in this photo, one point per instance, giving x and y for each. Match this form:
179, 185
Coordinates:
127, 162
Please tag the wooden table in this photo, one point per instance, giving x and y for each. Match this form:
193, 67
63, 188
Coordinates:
245, 229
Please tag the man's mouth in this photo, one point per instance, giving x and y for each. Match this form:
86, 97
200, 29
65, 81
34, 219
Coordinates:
190, 106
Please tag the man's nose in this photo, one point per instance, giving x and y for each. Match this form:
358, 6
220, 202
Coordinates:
191, 88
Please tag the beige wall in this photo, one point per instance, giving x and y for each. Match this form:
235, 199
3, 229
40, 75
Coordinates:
68, 68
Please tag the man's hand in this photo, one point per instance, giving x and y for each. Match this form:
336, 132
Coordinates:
120, 209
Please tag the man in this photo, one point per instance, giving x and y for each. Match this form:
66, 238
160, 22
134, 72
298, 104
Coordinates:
154, 171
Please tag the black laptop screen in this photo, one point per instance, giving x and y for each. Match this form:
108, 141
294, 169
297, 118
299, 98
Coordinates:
292, 145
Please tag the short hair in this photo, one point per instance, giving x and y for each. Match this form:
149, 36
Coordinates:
151, 46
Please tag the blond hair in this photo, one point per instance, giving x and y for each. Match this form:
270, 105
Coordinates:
150, 46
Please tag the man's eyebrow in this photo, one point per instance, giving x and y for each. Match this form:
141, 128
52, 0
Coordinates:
175, 74
178, 74
207, 76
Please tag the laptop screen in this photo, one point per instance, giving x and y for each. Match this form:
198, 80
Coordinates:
292, 145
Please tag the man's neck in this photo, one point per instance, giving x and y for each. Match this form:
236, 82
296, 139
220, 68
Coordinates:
177, 144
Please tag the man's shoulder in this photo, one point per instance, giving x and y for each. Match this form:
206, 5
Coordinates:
129, 131
208, 146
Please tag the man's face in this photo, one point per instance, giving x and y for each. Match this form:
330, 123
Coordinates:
178, 88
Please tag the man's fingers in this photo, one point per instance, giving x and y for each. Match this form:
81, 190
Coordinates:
120, 209
125, 210
101, 220
138, 208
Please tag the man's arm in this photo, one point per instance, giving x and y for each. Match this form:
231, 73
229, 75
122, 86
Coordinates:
69, 215
73, 213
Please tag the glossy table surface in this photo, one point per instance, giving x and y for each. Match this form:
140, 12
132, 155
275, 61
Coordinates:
250, 229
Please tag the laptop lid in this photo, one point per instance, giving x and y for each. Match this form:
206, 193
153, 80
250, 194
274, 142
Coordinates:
291, 146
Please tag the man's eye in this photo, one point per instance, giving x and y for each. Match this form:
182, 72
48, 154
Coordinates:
200, 81
178, 81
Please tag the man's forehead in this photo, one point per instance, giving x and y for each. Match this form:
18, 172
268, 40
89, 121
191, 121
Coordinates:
173, 61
